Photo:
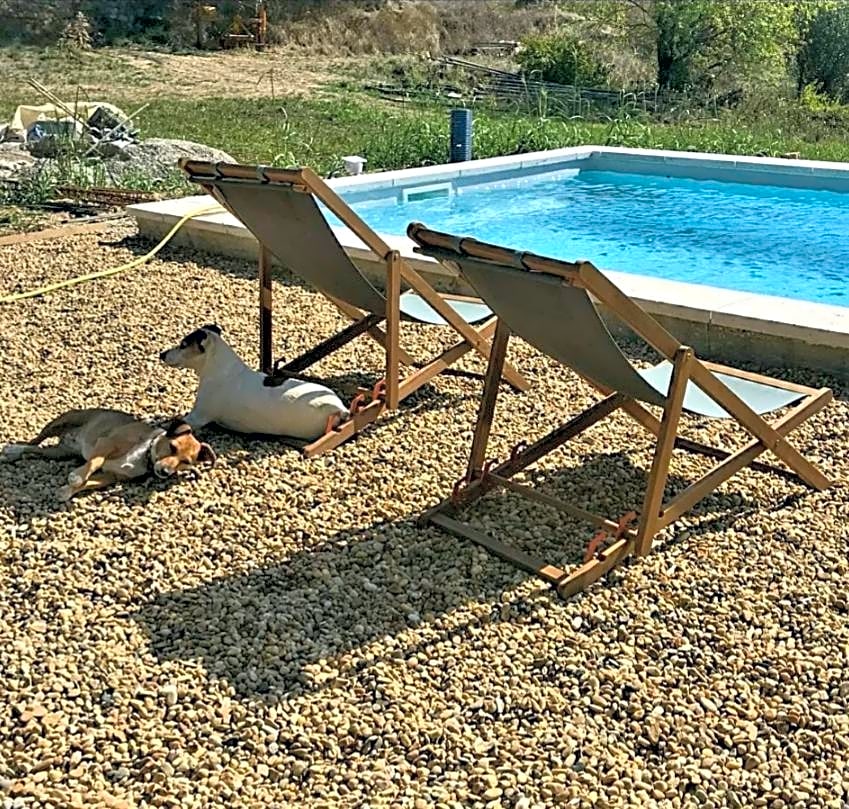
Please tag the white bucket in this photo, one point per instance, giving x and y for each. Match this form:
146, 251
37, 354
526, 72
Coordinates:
354, 164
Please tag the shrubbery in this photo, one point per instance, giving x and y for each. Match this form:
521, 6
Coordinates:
823, 58
560, 57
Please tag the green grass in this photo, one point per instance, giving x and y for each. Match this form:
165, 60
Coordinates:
14, 219
317, 132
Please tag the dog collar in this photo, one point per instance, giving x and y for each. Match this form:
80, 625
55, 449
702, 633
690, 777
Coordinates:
151, 460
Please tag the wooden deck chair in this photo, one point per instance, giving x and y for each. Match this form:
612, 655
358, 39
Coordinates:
548, 303
280, 207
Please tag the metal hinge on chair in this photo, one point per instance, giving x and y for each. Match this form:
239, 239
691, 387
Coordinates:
366, 397
464, 482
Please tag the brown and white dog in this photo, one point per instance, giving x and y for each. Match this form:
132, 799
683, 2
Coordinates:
115, 446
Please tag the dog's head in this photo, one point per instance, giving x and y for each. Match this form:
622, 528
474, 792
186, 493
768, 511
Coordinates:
194, 350
179, 449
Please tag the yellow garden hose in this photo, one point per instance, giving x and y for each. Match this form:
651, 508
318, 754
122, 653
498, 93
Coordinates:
34, 293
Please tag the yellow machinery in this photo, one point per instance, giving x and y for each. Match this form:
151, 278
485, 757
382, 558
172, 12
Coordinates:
253, 30
241, 30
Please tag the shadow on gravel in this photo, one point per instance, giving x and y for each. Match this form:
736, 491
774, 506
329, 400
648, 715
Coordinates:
28, 486
292, 628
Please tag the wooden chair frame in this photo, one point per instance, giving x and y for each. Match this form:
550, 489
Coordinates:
393, 388
619, 538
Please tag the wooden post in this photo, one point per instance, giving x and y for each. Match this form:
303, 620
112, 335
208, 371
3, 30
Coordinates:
393, 328
264, 310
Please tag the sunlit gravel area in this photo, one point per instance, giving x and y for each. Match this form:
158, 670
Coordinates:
280, 632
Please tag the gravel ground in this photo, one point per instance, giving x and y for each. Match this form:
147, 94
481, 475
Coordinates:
278, 632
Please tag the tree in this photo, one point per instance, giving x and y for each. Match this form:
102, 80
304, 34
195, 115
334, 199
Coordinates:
695, 42
822, 58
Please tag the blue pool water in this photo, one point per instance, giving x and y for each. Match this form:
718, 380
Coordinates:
754, 238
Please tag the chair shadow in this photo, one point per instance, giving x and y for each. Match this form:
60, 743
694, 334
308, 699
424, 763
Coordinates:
425, 399
292, 628
567, 537
21, 490
24, 492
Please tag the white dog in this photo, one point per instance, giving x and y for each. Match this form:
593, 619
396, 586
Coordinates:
232, 395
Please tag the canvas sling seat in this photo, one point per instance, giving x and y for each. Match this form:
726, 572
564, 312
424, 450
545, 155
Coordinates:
282, 208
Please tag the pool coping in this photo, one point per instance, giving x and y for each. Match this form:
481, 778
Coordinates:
813, 324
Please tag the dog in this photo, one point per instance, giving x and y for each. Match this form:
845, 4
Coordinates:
233, 396
115, 446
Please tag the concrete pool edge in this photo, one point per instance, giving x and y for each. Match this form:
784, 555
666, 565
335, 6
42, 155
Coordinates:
719, 323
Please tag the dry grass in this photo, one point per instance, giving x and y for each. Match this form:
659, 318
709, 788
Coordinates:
141, 75
417, 27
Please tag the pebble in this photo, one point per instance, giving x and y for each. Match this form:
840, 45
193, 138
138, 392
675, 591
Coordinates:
169, 694
279, 632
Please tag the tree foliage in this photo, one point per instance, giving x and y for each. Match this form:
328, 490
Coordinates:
702, 42
822, 58
563, 58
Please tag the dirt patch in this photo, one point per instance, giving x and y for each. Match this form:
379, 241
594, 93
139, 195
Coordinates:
138, 74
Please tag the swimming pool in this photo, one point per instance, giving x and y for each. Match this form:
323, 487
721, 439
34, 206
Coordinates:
762, 238
761, 241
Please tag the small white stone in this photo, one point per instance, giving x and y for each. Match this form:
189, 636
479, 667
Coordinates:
169, 693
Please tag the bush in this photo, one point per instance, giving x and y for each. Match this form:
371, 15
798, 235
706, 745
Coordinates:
562, 58
823, 59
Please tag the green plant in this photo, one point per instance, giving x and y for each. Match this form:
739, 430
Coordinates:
822, 61
562, 58
701, 43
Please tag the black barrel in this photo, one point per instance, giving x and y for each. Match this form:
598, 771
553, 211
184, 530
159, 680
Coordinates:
461, 135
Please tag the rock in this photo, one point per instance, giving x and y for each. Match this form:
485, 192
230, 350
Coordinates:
158, 157
115, 148
14, 160
210, 640
169, 694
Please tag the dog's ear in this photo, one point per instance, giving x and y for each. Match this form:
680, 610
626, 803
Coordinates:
207, 455
213, 327
178, 427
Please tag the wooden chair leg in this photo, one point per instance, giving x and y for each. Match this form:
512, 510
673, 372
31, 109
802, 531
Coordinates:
758, 427
486, 411
264, 310
650, 516
743, 457
393, 328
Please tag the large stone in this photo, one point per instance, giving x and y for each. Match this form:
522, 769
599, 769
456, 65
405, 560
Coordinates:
14, 159
157, 157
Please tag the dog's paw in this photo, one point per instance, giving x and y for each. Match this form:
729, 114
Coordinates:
13, 452
65, 493
75, 479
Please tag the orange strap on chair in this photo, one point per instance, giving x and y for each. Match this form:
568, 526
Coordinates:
604, 534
